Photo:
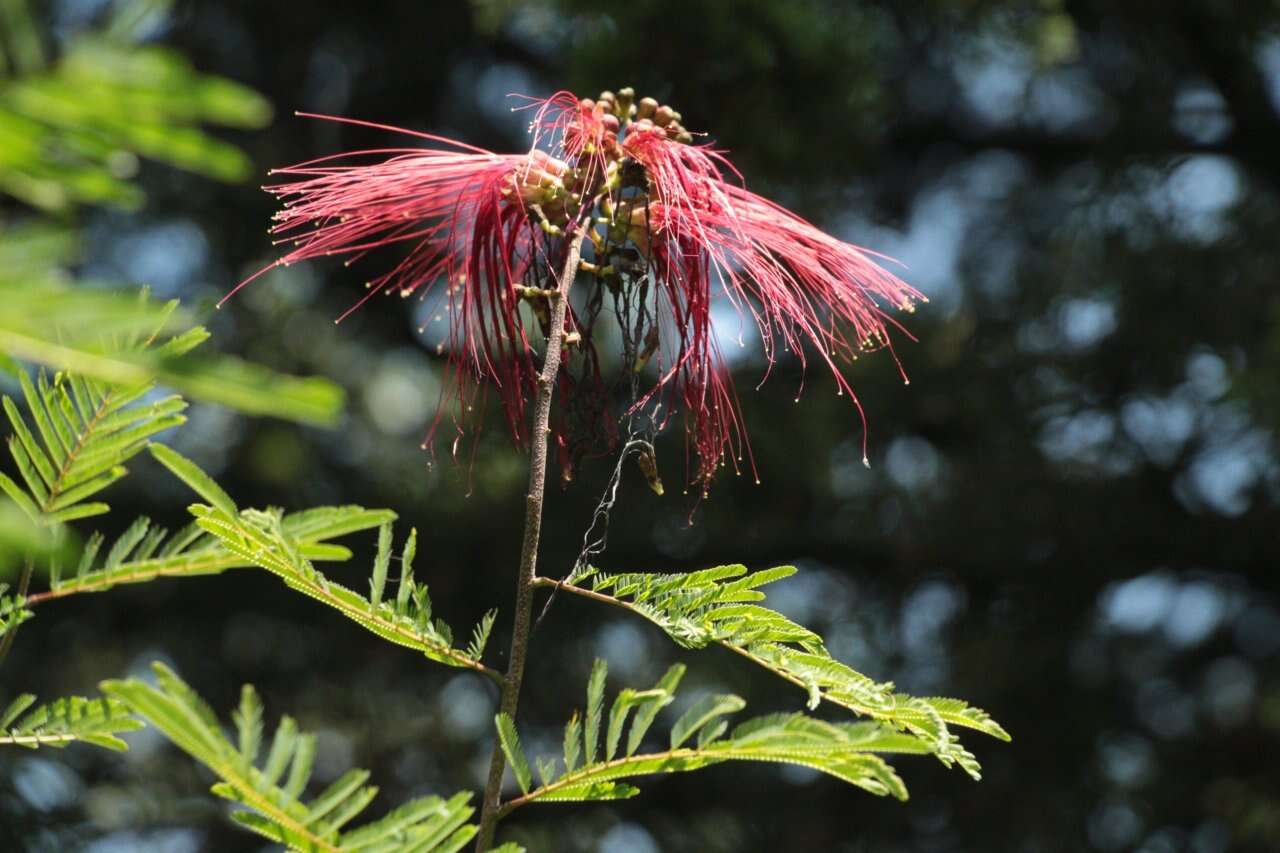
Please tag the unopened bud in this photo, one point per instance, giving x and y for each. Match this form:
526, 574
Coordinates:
610, 122
586, 105
646, 108
626, 98
684, 136
643, 124
606, 95
664, 116
649, 468
650, 346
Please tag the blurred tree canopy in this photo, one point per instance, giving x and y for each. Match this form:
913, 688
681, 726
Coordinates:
1070, 515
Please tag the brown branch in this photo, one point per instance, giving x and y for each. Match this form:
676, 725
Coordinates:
489, 814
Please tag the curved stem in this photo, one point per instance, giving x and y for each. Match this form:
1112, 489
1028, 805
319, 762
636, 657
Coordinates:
145, 570
745, 652
532, 530
39, 740
345, 601
593, 772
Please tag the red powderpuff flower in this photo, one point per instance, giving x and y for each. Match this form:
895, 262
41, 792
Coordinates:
488, 228
800, 285
462, 213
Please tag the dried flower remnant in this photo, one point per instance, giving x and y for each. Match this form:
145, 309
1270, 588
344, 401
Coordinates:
670, 227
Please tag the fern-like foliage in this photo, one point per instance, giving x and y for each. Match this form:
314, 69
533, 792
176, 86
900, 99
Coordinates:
65, 721
262, 538
110, 338
700, 737
13, 610
145, 552
84, 428
721, 605
82, 433
269, 791
75, 124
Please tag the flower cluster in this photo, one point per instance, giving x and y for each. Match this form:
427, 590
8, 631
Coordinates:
669, 227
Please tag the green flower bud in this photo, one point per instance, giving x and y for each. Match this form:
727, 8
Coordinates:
626, 100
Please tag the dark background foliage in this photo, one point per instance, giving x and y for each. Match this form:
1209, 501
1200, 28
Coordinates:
1070, 516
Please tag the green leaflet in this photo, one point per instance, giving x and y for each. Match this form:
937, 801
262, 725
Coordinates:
248, 720
381, 562
662, 695
516, 759
572, 742
702, 712
271, 795
547, 770
595, 706
959, 713
626, 700
65, 721
480, 635
188, 472
591, 792
12, 611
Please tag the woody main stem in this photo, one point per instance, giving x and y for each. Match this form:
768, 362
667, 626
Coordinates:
532, 530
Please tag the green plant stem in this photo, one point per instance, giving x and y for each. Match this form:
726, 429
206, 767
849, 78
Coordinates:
489, 814
595, 770
330, 593
145, 571
38, 740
